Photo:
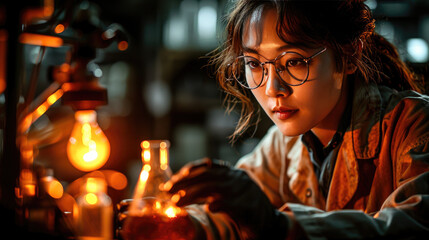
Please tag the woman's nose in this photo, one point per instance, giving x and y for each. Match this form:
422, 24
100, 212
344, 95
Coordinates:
274, 85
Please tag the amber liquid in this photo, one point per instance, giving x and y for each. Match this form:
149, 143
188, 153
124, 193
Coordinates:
156, 227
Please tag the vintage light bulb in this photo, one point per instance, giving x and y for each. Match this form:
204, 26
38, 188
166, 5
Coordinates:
88, 148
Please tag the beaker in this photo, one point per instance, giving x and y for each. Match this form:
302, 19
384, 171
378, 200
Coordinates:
152, 214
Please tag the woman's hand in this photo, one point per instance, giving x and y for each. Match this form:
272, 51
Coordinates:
231, 191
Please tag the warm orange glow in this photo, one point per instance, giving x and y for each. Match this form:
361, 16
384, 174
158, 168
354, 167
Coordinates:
40, 40
144, 175
48, 8
41, 110
145, 144
27, 153
117, 180
157, 205
26, 175
147, 167
182, 193
31, 15
29, 189
51, 99
146, 151
175, 198
66, 203
172, 211
91, 198
88, 148
123, 45
65, 67
18, 193
146, 156
59, 28
163, 157
52, 187
28, 186
55, 189
30, 118
26, 123
167, 186
92, 185
61, 74
75, 210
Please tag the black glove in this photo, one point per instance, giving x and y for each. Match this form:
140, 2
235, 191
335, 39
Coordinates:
231, 191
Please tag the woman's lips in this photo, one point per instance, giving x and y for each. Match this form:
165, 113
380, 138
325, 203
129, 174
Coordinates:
284, 113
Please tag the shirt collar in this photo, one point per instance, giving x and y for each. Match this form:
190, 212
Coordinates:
365, 120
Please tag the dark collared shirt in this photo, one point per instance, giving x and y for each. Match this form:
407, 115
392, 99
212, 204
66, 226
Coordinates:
323, 158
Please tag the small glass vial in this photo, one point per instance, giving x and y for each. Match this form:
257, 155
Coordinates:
94, 218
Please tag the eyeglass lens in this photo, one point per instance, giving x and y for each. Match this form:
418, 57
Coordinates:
291, 67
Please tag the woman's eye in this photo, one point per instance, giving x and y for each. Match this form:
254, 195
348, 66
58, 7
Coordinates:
295, 62
252, 64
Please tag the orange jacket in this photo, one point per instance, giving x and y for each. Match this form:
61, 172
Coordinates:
381, 177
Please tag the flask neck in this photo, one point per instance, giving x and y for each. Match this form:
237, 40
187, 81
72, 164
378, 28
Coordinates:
155, 170
155, 153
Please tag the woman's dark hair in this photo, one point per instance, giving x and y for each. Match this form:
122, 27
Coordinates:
346, 27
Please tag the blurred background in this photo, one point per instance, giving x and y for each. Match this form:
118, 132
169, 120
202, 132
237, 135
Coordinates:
160, 86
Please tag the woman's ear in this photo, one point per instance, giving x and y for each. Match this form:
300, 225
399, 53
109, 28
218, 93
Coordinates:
351, 66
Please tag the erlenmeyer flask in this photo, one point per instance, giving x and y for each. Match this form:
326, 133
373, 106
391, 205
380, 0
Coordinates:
152, 214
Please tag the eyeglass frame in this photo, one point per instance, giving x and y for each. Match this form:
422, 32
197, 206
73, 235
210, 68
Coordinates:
273, 61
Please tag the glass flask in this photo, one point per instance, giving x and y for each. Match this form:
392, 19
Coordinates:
152, 214
94, 218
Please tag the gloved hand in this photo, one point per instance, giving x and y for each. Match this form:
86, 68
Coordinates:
231, 191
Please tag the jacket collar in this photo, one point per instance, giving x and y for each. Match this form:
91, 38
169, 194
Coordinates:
365, 122
361, 141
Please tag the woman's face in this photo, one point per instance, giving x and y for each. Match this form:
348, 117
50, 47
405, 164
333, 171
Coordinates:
294, 109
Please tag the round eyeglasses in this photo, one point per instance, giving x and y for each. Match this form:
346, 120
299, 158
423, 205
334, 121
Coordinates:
291, 67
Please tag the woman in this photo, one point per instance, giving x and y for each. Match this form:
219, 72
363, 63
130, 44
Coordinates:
348, 155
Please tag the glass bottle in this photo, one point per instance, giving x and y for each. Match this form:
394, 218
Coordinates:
94, 218
152, 214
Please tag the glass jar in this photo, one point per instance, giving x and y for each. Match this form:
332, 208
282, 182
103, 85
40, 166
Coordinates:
94, 213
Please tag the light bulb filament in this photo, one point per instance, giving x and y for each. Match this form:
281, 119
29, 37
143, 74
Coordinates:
86, 134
